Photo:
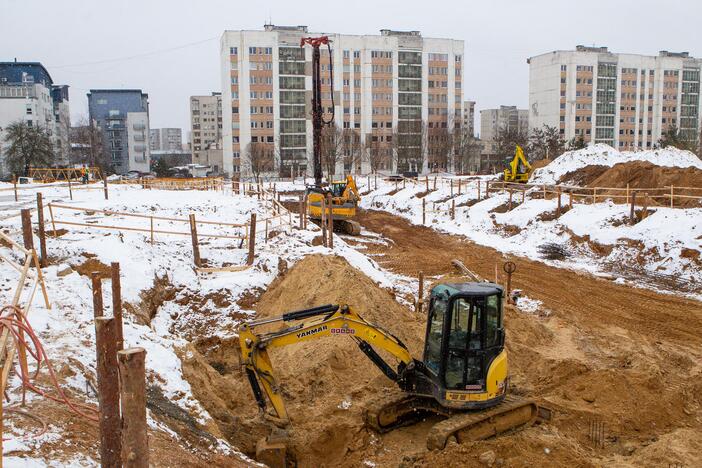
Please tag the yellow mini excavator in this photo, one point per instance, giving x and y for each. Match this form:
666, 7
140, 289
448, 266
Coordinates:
518, 169
344, 198
463, 375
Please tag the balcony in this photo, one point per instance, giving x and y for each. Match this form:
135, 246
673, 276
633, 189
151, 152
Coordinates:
139, 126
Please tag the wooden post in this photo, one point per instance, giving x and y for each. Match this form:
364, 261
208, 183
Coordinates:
323, 218
487, 189
97, 293
196, 246
420, 293
330, 221
108, 392
117, 304
396, 185
403, 183
70, 191
451, 185
14, 185
478, 189
132, 373
632, 209
27, 235
627, 193
594, 195
644, 208
42, 232
104, 184
152, 229
302, 213
459, 186
426, 181
570, 199
53, 225
509, 206
434, 182
671, 196
544, 189
252, 239
424, 212
376, 181
265, 238
453, 209
523, 194
558, 206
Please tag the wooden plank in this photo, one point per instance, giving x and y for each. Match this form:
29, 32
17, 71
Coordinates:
223, 269
108, 392
135, 442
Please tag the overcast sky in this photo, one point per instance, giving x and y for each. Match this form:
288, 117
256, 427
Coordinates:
70, 36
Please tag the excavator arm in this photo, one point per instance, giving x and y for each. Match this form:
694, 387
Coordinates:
513, 173
329, 320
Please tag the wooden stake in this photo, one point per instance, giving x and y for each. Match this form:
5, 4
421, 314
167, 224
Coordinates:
632, 209
424, 212
323, 218
570, 199
252, 239
453, 209
196, 246
420, 293
132, 373
671, 196
594, 195
265, 238
478, 189
558, 206
97, 293
451, 185
70, 191
104, 183
27, 235
523, 194
403, 183
117, 304
330, 221
426, 181
509, 206
108, 392
152, 229
302, 213
644, 208
14, 185
42, 232
544, 189
627, 193
53, 225
487, 188
459, 186
434, 182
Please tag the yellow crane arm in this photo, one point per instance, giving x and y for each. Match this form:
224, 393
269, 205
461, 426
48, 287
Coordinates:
332, 320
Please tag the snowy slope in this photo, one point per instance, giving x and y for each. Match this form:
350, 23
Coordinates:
604, 155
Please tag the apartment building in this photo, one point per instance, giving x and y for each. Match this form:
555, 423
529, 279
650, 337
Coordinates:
206, 132
469, 117
122, 116
166, 139
624, 100
28, 94
494, 121
389, 92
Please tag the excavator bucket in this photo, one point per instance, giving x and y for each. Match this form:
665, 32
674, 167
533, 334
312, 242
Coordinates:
272, 450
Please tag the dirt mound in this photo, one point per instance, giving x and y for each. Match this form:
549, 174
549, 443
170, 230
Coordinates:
92, 264
583, 176
641, 174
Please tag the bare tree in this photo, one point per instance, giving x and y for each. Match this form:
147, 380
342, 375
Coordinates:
352, 149
332, 148
27, 147
376, 153
545, 143
409, 145
259, 158
466, 150
439, 143
86, 143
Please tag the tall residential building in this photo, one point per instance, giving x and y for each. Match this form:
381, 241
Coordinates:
165, 139
624, 100
494, 121
206, 132
389, 92
27, 93
122, 116
469, 117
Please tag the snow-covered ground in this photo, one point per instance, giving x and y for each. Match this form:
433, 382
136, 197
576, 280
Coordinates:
604, 155
67, 330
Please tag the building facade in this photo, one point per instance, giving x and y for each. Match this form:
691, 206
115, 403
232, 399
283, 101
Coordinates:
206, 132
390, 92
624, 100
494, 121
122, 116
165, 139
469, 117
28, 94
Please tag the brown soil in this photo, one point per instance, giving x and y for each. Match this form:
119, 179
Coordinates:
92, 264
640, 174
57, 233
583, 176
151, 299
624, 356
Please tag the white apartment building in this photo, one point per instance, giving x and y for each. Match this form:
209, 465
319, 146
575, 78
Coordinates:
469, 117
624, 100
166, 139
206, 132
395, 83
494, 121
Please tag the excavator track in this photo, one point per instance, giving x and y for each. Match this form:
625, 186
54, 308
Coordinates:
392, 410
511, 414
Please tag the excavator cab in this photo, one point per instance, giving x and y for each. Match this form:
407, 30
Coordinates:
518, 168
464, 352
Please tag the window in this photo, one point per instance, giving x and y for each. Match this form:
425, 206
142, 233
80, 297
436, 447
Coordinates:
432, 353
233, 51
102, 101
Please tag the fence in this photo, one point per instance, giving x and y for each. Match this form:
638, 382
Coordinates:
205, 183
51, 174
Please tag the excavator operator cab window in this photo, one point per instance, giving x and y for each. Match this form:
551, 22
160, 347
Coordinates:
432, 352
474, 333
337, 189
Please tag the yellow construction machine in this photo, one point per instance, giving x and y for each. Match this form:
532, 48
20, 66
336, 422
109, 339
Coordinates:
463, 375
344, 200
518, 169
